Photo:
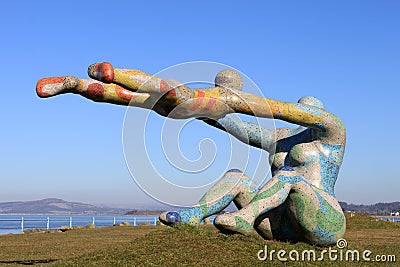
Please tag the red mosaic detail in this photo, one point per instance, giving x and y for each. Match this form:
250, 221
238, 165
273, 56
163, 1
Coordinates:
104, 72
199, 100
45, 81
96, 90
210, 103
164, 86
171, 93
124, 94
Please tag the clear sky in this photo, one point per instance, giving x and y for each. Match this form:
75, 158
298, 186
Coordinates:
346, 53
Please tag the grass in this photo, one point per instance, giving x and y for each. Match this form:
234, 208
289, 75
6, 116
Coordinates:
181, 246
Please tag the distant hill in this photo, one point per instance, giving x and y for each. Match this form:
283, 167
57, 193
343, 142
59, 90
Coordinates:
55, 206
374, 209
144, 212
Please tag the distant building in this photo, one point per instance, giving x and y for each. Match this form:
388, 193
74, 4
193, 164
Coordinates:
395, 213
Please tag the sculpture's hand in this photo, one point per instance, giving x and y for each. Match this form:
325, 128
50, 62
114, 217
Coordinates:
92, 89
48, 87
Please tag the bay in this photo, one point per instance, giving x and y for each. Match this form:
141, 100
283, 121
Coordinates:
16, 223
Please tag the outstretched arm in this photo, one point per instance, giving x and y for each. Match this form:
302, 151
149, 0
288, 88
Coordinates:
91, 89
254, 134
248, 132
297, 113
210, 102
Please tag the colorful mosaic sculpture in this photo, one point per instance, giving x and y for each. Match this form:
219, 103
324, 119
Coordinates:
296, 204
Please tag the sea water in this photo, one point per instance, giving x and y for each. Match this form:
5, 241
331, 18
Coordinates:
16, 223
390, 219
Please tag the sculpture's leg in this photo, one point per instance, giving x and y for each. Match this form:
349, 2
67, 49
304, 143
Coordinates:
317, 213
92, 89
312, 210
273, 194
233, 186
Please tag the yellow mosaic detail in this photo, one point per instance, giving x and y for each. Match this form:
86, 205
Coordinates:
123, 78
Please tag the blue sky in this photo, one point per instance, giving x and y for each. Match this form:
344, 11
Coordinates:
343, 52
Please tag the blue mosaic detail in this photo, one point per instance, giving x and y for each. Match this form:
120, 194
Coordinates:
336, 152
248, 132
307, 108
173, 217
235, 170
323, 236
238, 180
320, 125
329, 169
221, 204
286, 168
292, 179
283, 194
186, 214
314, 101
257, 135
294, 131
294, 137
321, 202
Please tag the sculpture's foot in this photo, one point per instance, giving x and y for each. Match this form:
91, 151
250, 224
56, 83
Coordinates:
231, 223
48, 87
192, 216
170, 218
102, 72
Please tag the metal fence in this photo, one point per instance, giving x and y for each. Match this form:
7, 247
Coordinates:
16, 223
49, 223
389, 219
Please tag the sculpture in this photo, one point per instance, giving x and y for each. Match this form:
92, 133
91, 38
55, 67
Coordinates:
296, 204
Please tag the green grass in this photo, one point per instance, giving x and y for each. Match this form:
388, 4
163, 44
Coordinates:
183, 245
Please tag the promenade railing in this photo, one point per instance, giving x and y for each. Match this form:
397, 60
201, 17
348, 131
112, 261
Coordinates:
50, 223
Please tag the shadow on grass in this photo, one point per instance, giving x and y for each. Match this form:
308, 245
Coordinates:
28, 262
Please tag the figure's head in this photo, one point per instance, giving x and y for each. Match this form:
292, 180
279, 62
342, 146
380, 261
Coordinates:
312, 101
229, 79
